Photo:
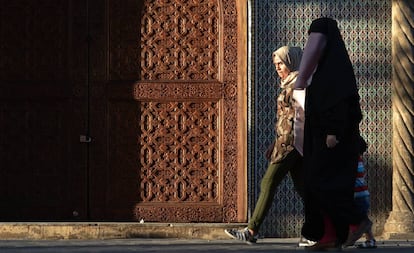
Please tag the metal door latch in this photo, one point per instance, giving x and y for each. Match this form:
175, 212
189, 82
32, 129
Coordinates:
85, 139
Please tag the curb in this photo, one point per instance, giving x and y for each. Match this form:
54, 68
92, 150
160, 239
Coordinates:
113, 230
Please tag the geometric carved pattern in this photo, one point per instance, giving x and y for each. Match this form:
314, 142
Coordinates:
179, 152
179, 40
232, 170
187, 55
176, 90
188, 69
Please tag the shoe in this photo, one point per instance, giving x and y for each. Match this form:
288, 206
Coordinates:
364, 226
324, 246
242, 235
303, 242
368, 244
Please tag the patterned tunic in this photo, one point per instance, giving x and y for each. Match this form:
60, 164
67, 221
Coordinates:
285, 119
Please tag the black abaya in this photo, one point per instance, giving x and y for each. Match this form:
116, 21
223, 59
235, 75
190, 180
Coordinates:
332, 108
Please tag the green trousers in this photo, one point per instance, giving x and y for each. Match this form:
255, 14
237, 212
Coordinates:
275, 173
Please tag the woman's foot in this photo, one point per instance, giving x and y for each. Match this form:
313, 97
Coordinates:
303, 242
353, 236
242, 234
368, 244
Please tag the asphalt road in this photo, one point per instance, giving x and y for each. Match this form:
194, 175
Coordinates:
178, 245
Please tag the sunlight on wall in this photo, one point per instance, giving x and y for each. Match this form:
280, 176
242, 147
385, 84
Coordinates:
366, 28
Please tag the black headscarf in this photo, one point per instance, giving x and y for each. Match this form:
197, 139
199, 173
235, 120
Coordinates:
334, 79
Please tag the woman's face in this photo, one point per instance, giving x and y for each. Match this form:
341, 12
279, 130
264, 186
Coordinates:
281, 68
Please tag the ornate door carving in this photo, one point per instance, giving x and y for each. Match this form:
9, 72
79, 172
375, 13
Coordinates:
157, 86
172, 103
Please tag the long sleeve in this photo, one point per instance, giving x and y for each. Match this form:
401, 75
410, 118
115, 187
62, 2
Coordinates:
311, 55
333, 121
299, 120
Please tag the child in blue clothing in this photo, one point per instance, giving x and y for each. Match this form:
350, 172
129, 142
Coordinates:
362, 202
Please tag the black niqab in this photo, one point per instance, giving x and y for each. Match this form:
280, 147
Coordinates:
334, 79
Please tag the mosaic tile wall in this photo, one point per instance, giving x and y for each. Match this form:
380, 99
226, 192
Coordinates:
366, 28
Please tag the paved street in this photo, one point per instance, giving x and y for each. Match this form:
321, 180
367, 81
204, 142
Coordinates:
178, 245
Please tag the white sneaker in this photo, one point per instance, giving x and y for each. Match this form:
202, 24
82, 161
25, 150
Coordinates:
303, 242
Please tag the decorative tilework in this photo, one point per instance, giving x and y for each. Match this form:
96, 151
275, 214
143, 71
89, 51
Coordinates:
366, 28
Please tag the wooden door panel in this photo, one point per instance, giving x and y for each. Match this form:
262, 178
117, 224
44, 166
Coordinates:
154, 84
42, 110
166, 112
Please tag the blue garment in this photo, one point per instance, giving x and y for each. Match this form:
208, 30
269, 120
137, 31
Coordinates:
361, 186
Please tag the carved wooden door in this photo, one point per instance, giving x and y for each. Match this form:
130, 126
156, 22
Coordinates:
166, 111
43, 110
121, 110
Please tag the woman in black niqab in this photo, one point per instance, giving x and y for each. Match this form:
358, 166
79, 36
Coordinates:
332, 116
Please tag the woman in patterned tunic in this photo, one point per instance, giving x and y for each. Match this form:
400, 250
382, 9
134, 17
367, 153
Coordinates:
283, 155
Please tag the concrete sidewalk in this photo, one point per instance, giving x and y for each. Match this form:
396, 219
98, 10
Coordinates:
179, 245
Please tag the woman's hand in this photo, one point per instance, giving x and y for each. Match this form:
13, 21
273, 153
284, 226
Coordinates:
331, 141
